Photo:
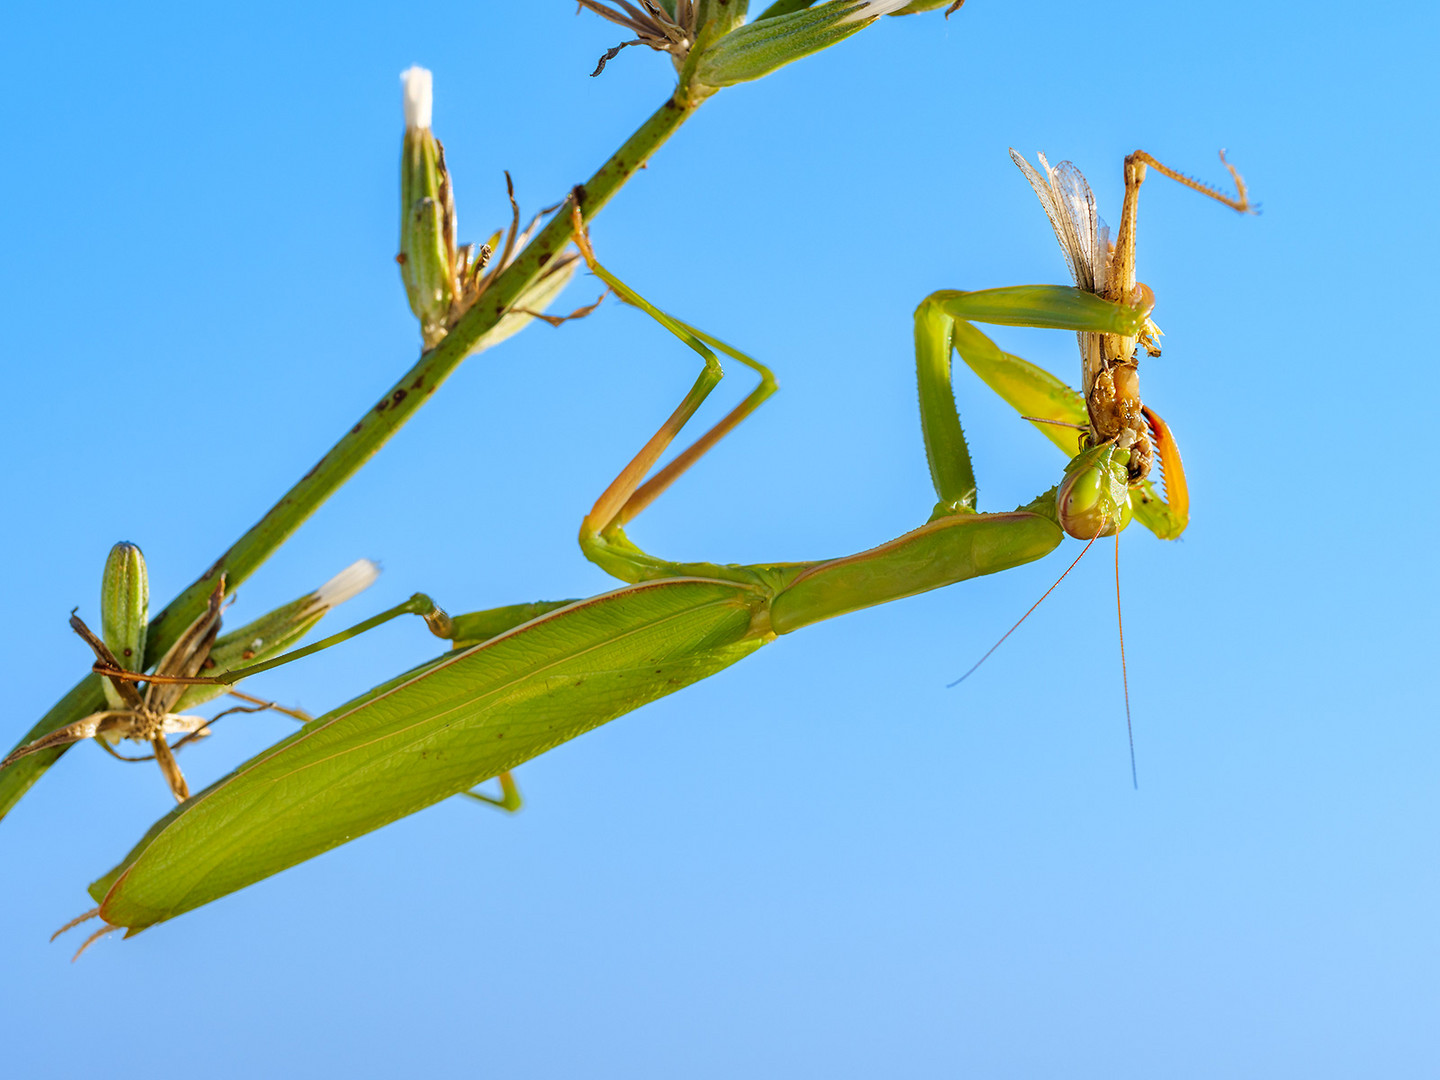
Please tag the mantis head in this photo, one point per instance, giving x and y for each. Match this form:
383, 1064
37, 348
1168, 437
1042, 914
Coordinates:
1094, 498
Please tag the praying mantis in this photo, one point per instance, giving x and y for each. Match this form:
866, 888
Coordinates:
523, 679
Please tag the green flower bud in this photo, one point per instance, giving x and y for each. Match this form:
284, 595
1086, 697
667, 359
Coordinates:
753, 51
427, 212
124, 612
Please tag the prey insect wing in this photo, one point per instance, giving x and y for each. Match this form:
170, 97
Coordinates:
1069, 204
1093, 252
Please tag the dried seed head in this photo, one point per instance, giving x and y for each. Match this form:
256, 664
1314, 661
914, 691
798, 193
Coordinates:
670, 28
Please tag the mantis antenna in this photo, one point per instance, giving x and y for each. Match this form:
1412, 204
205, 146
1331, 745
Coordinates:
1124, 673
1119, 622
1022, 618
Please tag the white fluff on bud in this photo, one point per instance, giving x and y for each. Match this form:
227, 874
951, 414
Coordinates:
872, 9
419, 94
353, 580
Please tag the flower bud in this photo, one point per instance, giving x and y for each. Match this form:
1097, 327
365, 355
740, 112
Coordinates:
427, 211
124, 612
270, 634
752, 51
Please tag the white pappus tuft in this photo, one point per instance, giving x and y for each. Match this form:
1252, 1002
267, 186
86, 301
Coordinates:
353, 580
871, 9
419, 95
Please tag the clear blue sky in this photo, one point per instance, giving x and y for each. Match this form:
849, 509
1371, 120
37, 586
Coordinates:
821, 862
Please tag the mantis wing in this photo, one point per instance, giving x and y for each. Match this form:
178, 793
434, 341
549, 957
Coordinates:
428, 735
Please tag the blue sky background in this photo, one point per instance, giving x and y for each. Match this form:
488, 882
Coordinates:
821, 862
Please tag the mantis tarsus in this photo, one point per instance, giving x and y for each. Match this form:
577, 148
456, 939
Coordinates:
526, 678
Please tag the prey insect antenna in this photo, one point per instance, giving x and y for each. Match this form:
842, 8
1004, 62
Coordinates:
1124, 673
1022, 618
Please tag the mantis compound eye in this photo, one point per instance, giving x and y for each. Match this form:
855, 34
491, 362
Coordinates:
1142, 297
1094, 498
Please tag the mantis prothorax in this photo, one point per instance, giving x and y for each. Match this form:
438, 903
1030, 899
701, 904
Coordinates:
524, 679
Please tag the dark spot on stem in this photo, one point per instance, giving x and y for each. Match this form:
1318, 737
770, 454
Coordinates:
356, 429
383, 405
400, 258
418, 383
398, 396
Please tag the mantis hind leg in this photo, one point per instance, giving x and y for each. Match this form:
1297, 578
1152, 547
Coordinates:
602, 536
509, 800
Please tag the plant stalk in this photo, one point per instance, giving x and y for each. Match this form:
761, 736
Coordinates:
357, 445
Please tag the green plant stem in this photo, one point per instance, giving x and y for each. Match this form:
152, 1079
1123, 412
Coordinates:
357, 445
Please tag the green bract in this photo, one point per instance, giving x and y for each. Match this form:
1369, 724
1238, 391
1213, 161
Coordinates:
753, 51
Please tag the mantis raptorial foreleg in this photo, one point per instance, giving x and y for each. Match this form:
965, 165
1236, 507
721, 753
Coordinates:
944, 322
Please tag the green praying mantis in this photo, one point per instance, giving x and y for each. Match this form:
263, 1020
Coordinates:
523, 679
